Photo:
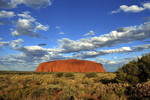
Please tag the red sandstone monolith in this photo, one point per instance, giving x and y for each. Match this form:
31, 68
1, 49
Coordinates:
70, 65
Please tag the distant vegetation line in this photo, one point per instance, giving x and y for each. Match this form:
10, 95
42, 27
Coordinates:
33, 72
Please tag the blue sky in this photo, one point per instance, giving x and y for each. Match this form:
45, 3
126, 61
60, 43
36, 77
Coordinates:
111, 32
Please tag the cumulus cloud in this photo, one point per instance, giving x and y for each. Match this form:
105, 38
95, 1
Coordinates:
146, 5
27, 25
141, 47
90, 33
69, 46
6, 5
2, 44
29, 56
118, 36
33, 3
6, 14
132, 8
33, 55
25, 14
39, 26
30, 3
93, 54
16, 43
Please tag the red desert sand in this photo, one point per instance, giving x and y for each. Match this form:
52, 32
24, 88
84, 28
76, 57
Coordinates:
70, 65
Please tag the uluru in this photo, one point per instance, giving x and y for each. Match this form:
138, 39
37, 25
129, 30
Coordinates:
70, 65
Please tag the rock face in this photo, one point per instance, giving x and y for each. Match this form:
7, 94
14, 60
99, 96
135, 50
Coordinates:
71, 65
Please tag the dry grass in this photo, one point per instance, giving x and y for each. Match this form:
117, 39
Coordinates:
49, 86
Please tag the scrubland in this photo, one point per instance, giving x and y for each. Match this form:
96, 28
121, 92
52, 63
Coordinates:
69, 86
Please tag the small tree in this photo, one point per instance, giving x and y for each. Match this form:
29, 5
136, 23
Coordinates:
144, 68
135, 71
128, 73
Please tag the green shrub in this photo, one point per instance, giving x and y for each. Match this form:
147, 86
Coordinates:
56, 81
135, 71
87, 81
144, 68
68, 94
69, 75
120, 91
90, 75
59, 74
128, 73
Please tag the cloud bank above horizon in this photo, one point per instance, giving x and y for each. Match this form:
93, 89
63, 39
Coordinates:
29, 36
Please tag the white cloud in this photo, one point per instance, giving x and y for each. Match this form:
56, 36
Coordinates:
25, 15
68, 45
2, 44
6, 5
29, 56
90, 33
132, 8
115, 57
118, 36
93, 54
146, 5
28, 26
33, 55
6, 14
31, 3
16, 43
41, 27
141, 47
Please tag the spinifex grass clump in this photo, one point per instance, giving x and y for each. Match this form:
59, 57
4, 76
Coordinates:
69, 75
59, 74
90, 75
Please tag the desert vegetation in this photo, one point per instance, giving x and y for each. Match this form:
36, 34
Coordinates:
130, 82
135, 71
68, 86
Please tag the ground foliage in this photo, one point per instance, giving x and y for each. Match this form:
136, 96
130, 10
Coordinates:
68, 86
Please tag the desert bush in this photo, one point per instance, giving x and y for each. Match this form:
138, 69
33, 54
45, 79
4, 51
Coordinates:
120, 91
68, 93
135, 71
91, 75
87, 81
69, 75
139, 91
59, 74
128, 73
56, 81
144, 68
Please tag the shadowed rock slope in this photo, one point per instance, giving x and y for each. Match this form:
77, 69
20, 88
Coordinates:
70, 65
